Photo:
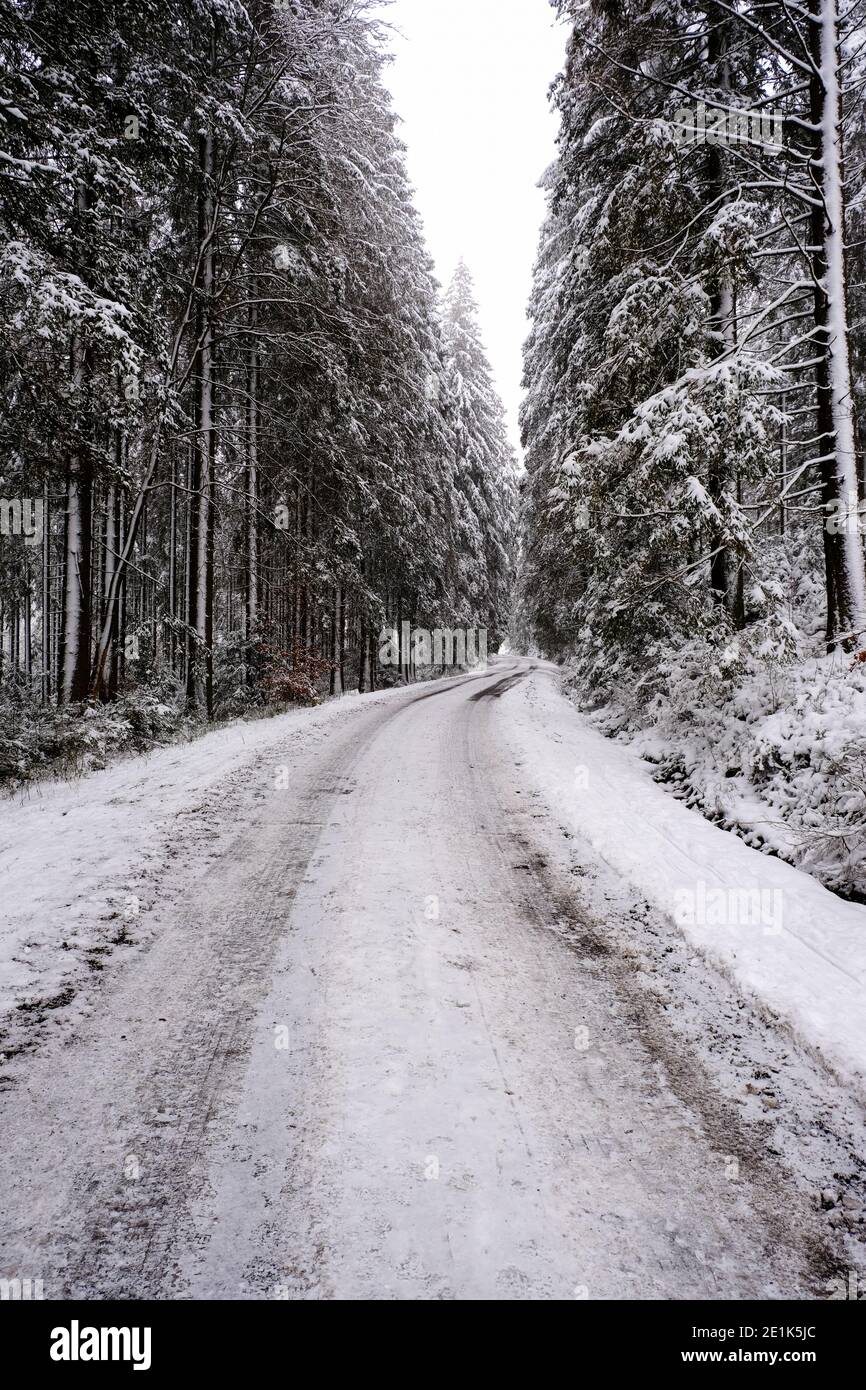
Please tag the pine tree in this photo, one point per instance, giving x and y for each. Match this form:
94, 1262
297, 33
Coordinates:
485, 465
224, 362
668, 342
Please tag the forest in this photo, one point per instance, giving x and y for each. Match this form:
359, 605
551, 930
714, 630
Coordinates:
696, 383
433, 667
246, 434
242, 425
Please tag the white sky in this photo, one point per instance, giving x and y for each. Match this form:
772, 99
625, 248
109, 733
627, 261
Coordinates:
470, 81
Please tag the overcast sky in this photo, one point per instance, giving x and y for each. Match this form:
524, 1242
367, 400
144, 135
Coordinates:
470, 81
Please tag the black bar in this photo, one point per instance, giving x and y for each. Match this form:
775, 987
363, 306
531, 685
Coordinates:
243, 1337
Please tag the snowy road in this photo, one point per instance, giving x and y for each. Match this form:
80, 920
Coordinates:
386, 1030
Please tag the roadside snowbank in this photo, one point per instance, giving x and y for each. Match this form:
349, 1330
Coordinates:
787, 942
780, 758
764, 739
73, 853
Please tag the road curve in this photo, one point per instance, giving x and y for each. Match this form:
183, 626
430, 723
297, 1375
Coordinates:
377, 1050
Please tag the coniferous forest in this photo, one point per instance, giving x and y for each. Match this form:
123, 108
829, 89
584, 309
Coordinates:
242, 425
245, 433
432, 671
694, 422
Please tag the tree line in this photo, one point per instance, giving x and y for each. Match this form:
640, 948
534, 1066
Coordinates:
255, 429
696, 369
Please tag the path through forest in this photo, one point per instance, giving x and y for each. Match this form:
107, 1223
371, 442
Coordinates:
387, 1033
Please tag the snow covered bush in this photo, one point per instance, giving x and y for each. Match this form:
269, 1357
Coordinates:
763, 741
74, 739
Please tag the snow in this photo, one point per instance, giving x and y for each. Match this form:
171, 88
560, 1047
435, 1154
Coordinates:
803, 960
386, 1031
766, 740
71, 854
792, 945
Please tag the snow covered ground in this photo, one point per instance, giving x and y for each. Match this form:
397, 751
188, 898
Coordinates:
387, 1000
772, 748
787, 941
75, 857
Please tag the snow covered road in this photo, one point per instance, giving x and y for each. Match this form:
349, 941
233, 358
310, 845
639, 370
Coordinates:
378, 1024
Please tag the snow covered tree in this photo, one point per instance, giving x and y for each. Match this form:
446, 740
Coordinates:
224, 365
485, 465
672, 287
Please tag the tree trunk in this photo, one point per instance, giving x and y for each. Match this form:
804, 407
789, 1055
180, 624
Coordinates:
46, 597
200, 667
252, 497
76, 632
722, 316
843, 552
338, 641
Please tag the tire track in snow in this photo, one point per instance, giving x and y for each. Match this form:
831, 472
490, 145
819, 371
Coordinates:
302, 1173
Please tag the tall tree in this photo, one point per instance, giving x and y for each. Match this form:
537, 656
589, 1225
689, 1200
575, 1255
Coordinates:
485, 464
